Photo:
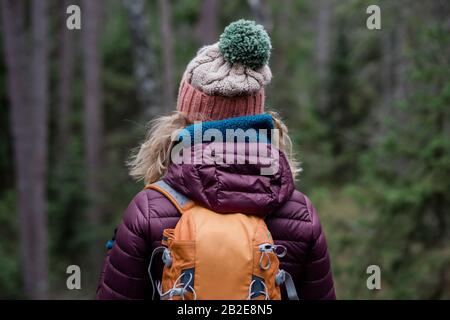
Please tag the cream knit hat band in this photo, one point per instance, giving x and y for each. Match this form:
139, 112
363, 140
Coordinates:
226, 79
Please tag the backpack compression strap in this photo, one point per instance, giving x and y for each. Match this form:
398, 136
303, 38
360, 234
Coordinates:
179, 200
182, 203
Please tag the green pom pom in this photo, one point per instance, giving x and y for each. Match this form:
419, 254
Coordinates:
245, 42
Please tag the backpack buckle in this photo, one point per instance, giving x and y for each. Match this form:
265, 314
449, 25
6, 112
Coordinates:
265, 249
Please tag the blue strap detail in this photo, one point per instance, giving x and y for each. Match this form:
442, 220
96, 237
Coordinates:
109, 244
257, 288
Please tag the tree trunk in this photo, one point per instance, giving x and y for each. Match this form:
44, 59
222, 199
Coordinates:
207, 26
27, 82
261, 13
282, 26
142, 55
168, 62
65, 79
93, 122
387, 86
323, 49
393, 76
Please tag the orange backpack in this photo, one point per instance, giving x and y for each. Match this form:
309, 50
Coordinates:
214, 256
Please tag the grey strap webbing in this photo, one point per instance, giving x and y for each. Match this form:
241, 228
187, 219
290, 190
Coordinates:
179, 200
283, 277
290, 287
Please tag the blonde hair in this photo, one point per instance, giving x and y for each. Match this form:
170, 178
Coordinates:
285, 144
150, 160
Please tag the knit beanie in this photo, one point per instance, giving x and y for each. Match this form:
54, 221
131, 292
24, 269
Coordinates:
227, 79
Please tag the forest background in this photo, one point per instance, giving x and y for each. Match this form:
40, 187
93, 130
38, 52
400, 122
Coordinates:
368, 111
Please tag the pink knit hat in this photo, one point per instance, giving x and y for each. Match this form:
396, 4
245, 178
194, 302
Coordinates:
227, 79
200, 106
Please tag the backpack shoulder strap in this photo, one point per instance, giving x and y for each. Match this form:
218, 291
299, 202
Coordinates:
179, 200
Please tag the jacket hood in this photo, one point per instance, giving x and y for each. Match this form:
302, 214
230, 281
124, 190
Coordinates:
251, 183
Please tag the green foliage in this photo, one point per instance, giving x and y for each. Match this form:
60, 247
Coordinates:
396, 179
245, 42
407, 173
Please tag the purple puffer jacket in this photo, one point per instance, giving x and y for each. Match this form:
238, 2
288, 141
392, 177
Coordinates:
290, 216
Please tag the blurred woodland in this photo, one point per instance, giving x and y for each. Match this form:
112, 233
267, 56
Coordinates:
369, 111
